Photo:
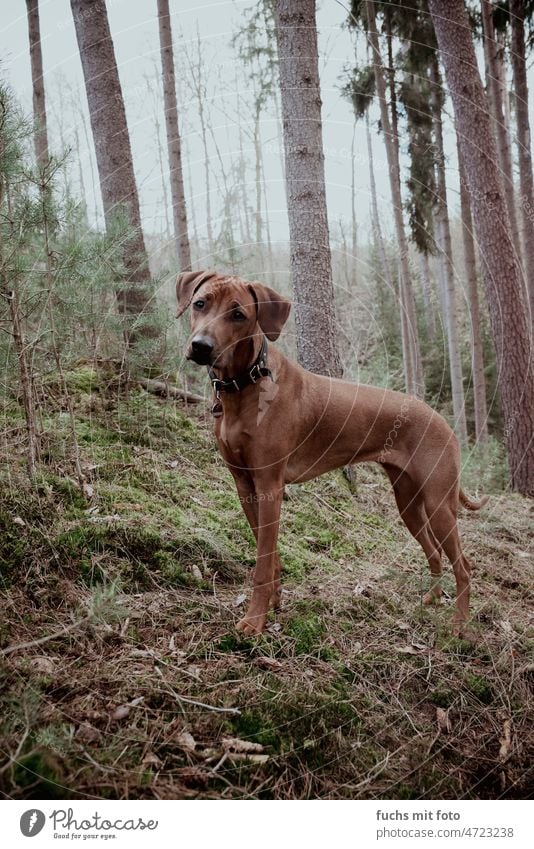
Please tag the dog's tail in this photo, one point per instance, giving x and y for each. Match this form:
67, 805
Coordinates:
472, 505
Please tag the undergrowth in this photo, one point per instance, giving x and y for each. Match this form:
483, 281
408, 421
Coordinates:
355, 690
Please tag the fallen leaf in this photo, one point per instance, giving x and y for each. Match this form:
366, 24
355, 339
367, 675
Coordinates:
121, 712
234, 744
248, 756
240, 599
444, 722
43, 664
412, 649
186, 741
18, 521
269, 663
151, 759
196, 573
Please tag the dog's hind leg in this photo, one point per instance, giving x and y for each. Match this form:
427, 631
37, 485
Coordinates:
443, 521
411, 507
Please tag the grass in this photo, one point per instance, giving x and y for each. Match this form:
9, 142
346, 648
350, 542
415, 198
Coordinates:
141, 677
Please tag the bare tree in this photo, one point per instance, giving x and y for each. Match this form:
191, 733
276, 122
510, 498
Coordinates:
517, 51
174, 145
112, 145
311, 267
509, 324
413, 370
477, 351
197, 82
40, 136
441, 218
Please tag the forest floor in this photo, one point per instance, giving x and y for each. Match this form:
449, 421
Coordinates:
121, 674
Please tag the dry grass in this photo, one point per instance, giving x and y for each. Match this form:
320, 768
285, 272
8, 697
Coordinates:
141, 688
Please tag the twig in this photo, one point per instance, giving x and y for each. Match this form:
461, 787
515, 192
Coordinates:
179, 698
159, 387
41, 640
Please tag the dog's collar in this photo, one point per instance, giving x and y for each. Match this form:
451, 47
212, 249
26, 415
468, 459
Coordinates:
255, 372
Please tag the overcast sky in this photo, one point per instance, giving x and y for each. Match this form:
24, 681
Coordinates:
135, 34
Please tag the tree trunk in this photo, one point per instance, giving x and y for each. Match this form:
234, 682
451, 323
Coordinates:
426, 288
449, 294
311, 267
375, 218
174, 145
40, 134
491, 53
354, 223
517, 51
113, 150
477, 351
257, 174
413, 370
492, 225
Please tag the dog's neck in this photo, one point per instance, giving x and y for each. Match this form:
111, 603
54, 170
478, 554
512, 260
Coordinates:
244, 355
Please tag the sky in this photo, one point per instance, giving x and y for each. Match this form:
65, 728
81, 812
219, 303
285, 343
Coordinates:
134, 30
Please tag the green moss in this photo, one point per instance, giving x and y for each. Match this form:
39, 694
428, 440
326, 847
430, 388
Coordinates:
39, 774
479, 687
442, 697
308, 631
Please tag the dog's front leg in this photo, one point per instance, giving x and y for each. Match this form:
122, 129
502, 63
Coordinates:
249, 502
268, 499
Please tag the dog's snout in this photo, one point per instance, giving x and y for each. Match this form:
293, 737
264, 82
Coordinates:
201, 350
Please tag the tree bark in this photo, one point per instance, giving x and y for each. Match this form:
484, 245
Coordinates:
308, 221
413, 370
449, 293
477, 350
426, 288
179, 209
113, 150
40, 133
526, 182
375, 218
509, 325
491, 53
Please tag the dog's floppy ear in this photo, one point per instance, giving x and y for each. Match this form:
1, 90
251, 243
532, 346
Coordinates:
273, 310
186, 283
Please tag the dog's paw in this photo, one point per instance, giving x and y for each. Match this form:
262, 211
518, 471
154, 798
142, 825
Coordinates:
463, 632
251, 626
432, 598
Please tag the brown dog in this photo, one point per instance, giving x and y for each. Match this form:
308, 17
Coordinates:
277, 423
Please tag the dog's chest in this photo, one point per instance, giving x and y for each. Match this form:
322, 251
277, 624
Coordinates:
234, 441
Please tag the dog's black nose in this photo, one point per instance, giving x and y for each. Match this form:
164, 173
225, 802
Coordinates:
201, 350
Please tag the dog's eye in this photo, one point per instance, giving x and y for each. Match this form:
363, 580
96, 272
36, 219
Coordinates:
237, 315
199, 305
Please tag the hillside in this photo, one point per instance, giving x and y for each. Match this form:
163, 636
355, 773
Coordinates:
122, 675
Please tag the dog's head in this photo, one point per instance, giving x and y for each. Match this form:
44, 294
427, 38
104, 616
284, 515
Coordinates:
226, 314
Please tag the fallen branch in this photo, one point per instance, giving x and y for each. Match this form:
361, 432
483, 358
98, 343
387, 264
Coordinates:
167, 390
54, 636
